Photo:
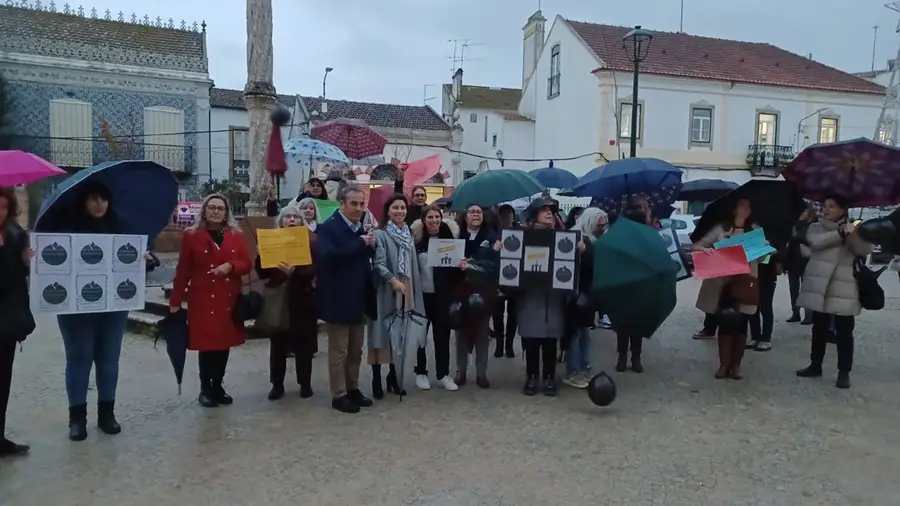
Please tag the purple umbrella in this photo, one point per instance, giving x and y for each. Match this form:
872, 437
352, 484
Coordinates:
864, 172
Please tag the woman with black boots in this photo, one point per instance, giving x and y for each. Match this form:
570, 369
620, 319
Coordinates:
542, 314
213, 258
437, 293
16, 320
300, 301
796, 259
829, 287
506, 303
398, 288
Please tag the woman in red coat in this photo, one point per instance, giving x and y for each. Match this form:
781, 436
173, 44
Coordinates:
212, 260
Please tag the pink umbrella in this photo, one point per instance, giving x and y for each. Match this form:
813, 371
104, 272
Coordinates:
352, 136
19, 167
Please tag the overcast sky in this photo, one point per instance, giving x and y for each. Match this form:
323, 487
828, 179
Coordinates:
388, 50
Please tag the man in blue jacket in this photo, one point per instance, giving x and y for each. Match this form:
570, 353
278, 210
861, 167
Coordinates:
344, 292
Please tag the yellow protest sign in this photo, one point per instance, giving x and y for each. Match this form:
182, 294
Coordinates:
283, 245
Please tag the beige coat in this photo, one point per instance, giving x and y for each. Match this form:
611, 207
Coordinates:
828, 282
711, 289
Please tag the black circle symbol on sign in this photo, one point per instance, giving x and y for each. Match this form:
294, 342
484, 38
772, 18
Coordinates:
127, 253
54, 294
92, 254
512, 243
91, 292
126, 290
565, 245
54, 254
510, 271
564, 274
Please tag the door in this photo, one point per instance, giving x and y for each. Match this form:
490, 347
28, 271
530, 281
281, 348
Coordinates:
766, 128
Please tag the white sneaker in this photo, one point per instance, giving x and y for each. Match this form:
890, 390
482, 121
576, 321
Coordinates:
422, 382
605, 323
448, 383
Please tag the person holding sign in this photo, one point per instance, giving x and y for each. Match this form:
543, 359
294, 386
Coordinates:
212, 260
295, 285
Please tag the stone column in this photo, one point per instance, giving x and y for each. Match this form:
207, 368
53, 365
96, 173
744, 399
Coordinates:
259, 98
456, 142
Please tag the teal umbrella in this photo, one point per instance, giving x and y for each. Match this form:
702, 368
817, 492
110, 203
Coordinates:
634, 278
494, 187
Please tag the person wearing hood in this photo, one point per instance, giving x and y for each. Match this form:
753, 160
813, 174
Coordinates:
94, 339
437, 288
541, 313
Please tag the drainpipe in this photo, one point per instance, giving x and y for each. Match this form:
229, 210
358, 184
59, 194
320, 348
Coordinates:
209, 135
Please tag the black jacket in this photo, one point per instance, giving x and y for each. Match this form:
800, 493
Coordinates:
15, 313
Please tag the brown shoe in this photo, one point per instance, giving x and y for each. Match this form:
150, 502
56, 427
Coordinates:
460, 380
724, 343
482, 382
738, 345
704, 335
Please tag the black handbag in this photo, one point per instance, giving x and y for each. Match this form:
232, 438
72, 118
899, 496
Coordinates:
247, 307
18, 321
871, 295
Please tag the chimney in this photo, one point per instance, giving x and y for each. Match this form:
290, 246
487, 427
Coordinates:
532, 44
456, 88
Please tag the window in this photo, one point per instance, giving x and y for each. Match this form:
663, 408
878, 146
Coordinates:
828, 129
494, 140
886, 129
553, 80
701, 125
164, 137
767, 128
70, 133
473, 118
625, 120
240, 155
485, 128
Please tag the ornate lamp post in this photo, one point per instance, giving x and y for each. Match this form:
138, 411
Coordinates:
500, 157
636, 44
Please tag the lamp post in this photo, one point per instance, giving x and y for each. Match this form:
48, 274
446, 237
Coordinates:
500, 157
325, 78
636, 44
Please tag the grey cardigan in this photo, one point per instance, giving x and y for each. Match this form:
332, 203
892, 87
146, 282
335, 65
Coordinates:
385, 268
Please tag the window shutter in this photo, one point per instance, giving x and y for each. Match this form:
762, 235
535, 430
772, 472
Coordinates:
71, 143
164, 137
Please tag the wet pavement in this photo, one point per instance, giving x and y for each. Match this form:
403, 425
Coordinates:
675, 436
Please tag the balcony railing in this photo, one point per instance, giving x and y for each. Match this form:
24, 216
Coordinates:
766, 156
74, 154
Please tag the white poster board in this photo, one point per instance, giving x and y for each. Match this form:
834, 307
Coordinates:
87, 273
446, 252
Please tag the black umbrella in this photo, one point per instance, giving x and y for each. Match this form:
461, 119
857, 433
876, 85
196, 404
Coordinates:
775, 206
173, 328
705, 190
883, 232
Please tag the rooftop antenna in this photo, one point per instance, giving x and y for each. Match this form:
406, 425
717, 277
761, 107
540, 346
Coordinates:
874, 45
681, 24
425, 97
886, 129
459, 53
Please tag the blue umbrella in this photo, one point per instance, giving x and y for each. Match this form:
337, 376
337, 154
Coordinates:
144, 194
610, 185
705, 190
553, 177
309, 153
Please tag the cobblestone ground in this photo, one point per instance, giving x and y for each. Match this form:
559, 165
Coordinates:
674, 437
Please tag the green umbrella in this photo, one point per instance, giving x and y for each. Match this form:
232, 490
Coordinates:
493, 187
634, 278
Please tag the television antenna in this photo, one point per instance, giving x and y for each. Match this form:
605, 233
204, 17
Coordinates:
459, 53
886, 129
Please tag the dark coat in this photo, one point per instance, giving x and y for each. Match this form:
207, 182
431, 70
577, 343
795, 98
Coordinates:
345, 291
301, 297
582, 311
445, 278
413, 212
14, 282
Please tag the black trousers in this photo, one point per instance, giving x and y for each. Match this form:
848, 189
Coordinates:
301, 346
710, 325
763, 321
795, 277
540, 351
506, 303
212, 365
626, 341
7, 355
843, 333
441, 336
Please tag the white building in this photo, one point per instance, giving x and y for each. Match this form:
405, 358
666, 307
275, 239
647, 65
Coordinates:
719, 108
413, 133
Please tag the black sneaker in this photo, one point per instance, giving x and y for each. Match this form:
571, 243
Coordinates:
306, 391
344, 405
277, 392
843, 380
811, 371
795, 318
550, 387
531, 387
11, 449
357, 398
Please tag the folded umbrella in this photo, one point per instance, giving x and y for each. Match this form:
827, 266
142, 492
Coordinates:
173, 328
634, 278
401, 325
494, 187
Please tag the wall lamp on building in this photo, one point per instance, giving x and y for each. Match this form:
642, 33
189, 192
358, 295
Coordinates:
636, 44
500, 157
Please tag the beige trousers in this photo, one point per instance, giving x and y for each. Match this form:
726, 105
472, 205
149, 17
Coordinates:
345, 344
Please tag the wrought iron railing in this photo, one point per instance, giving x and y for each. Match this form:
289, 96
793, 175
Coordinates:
767, 156
74, 154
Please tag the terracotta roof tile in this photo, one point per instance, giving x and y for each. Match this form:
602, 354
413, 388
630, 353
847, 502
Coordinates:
693, 56
414, 117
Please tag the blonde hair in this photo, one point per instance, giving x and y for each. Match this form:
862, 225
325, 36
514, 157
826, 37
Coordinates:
308, 201
229, 221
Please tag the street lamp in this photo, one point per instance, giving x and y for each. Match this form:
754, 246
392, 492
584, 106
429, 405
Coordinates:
636, 44
324, 78
500, 157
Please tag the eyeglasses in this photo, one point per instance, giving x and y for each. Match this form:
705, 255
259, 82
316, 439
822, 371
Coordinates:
474, 211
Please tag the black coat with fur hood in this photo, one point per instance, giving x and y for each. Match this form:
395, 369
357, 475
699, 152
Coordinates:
445, 278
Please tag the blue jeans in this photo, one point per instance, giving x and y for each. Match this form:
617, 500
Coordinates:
578, 356
92, 338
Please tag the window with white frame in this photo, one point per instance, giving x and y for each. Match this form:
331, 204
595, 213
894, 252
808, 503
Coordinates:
766, 128
71, 143
473, 118
701, 125
553, 80
164, 137
240, 155
828, 129
625, 112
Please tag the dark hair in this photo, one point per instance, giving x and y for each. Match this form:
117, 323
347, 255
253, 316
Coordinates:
315, 180
418, 187
506, 208
570, 219
431, 207
387, 206
95, 190
839, 200
748, 223
347, 190
636, 212
461, 217
8, 193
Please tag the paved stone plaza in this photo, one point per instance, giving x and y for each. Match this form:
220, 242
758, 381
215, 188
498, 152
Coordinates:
674, 437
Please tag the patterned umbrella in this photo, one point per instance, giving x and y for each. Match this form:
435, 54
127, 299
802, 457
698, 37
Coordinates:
610, 185
353, 136
311, 154
865, 172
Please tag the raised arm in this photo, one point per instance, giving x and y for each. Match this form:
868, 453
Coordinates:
331, 252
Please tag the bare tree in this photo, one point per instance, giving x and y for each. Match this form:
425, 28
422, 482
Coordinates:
403, 151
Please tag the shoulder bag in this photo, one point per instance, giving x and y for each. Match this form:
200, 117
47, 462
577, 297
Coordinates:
871, 295
274, 315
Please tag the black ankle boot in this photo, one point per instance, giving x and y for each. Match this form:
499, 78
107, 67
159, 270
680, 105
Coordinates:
391, 382
207, 398
377, 389
106, 418
510, 352
795, 317
277, 392
498, 351
622, 342
78, 422
220, 395
622, 362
